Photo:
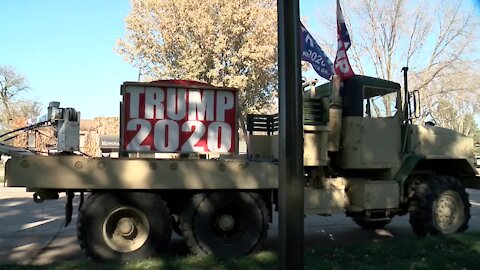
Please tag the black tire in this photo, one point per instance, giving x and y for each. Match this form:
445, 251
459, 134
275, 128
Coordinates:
225, 223
123, 226
438, 206
370, 224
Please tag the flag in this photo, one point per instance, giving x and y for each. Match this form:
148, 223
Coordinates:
342, 65
312, 53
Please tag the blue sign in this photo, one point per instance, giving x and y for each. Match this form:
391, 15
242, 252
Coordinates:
312, 53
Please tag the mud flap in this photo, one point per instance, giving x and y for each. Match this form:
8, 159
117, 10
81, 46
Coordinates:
82, 198
69, 208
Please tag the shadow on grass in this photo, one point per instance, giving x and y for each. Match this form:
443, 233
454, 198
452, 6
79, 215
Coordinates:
261, 260
460, 251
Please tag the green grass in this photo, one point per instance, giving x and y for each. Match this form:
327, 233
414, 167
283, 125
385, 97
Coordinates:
261, 260
461, 251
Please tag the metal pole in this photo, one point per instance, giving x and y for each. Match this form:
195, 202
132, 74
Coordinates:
139, 73
290, 136
406, 107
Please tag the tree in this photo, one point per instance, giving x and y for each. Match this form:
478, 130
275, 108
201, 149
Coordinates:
436, 39
476, 138
12, 104
229, 43
447, 115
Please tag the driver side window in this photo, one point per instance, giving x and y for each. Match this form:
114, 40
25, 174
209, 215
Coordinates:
380, 106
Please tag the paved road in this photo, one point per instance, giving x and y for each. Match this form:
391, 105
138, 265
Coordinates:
34, 233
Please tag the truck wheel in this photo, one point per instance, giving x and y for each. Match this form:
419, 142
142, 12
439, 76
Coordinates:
122, 226
370, 224
439, 206
225, 223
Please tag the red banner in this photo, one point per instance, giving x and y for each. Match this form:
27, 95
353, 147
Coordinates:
173, 117
341, 63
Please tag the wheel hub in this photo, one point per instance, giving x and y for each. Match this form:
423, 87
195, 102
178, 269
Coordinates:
226, 222
126, 229
125, 226
447, 212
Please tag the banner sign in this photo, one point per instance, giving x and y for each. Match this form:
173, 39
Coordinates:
342, 65
313, 53
109, 142
179, 117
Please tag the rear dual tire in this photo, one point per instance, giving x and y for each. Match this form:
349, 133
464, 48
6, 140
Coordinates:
225, 223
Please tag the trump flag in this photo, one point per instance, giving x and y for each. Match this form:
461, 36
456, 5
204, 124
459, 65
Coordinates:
342, 65
312, 53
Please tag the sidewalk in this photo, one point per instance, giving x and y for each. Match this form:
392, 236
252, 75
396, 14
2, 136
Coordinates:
30, 230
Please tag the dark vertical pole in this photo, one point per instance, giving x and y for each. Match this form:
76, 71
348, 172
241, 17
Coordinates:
290, 136
406, 107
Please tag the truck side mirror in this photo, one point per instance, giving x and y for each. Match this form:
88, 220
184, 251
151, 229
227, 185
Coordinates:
414, 98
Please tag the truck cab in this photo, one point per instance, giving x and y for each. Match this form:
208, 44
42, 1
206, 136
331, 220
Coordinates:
364, 156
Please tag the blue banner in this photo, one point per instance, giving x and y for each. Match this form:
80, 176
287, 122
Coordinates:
312, 53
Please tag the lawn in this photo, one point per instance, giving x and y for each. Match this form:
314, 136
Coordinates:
461, 251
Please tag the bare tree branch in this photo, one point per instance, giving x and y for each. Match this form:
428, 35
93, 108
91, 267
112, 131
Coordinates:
434, 38
12, 104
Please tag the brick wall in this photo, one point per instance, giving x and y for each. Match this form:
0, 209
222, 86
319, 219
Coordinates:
93, 130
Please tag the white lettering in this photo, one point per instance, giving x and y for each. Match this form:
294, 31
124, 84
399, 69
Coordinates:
166, 135
342, 62
134, 93
198, 129
219, 137
178, 120
341, 54
136, 143
224, 102
108, 143
308, 39
176, 100
200, 105
154, 108
344, 68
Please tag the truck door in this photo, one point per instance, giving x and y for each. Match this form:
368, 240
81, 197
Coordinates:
372, 139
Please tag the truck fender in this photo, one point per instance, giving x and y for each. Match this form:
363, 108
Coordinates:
461, 167
406, 169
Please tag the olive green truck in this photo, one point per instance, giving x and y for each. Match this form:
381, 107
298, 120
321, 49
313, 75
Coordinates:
179, 168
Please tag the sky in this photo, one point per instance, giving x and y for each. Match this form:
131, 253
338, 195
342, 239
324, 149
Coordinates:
66, 50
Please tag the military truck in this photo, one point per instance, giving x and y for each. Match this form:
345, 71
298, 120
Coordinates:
180, 169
